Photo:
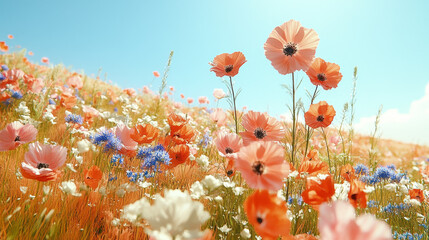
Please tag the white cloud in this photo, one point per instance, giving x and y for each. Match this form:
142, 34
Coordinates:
410, 127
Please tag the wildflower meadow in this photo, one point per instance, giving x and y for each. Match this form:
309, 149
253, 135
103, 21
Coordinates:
81, 158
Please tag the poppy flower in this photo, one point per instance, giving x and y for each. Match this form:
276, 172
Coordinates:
190, 100
16, 134
347, 172
291, 47
261, 127
93, 177
230, 167
68, 101
10, 36
130, 92
337, 222
312, 165
227, 64
30, 53
156, 73
4, 47
183, 135
319, 115
42, 162
218, 93
124, 134
318, 190
45, 60
176, 122
219, 117
75, 81
203, 100
357, 196
416, 194
324, 74
262, 165
179, 154
268, 214
144, 133
228, 143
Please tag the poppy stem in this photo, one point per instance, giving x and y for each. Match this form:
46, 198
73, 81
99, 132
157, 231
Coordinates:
233, 102
293, 120
327, 149
308, 132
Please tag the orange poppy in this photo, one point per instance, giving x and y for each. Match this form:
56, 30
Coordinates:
262, 165
4, 47
144, 133
319, 115
416, 194
313, 167
30, 53
230, 169
93, 177
268, 214
178, 154
10, 36
68, 101
156, 73
357, 197
176, 122
347, 172
318, 190
183, 135
227, 64
324, 74
291, 47
45, 60
261, 127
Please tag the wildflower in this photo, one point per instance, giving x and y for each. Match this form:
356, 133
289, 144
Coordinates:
347, 172
219, 117
116, 159
197, 190
74, 118
190, 100
10, 36
83, 146
175, 215
361, 169
357, 196
312, 165
4, 47
93, 177
45, 60
291, 47
228, 144
218, 93
16, 134
144, 133
203, 100
337, 221
69, 187
43, 161
134, 212
211, 183
417, 194
324, 74
319, 115
179, 154
176, 122
268, 214
16, 94
156, 73
227, 64
183, 135
203, 161
205, 140
262, 165
261, 127
383, 173
318, 191
75, 81
124, 134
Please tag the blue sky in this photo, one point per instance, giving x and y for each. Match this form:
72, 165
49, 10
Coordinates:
386, 39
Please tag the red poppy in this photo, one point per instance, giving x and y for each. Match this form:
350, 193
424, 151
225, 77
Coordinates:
4, 47
183, 135
324, 74
144, 133
268, 214
318, 190
227, 64
179, 154
347, 172
176, 122
93, 177
319, 115
416, 194
357, 197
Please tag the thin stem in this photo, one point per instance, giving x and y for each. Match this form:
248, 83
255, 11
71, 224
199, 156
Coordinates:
308, 132
327, 149
235, 109
293, 120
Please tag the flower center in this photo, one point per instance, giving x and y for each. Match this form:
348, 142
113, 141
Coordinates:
354, 197
258, 168
290, 49
260, 133
321, 77
229, 173
229, 150
259, 220
42, 165
228, 68
320, 118
17, 139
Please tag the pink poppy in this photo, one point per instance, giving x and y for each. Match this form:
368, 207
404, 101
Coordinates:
228, 143
45, 60
10, 36
124, 134
75, 81
16, 134
337, 222
219, 117
42, 162
190, 100
219, 93
203, 99
262, 165
260, 126
130, 92
182, 96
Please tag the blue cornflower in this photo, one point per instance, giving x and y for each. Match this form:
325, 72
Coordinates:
116, 158
102, 137
159, 147
144, 152
51, 102
383, 173
113, 144
398, 177
290, 200
372, 204
16, 95
4, 67
370, 179
205, 140
391, 167
115, 109
361, 169
2, 77
74, 118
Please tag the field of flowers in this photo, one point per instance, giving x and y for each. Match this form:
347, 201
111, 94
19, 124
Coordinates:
82, 159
